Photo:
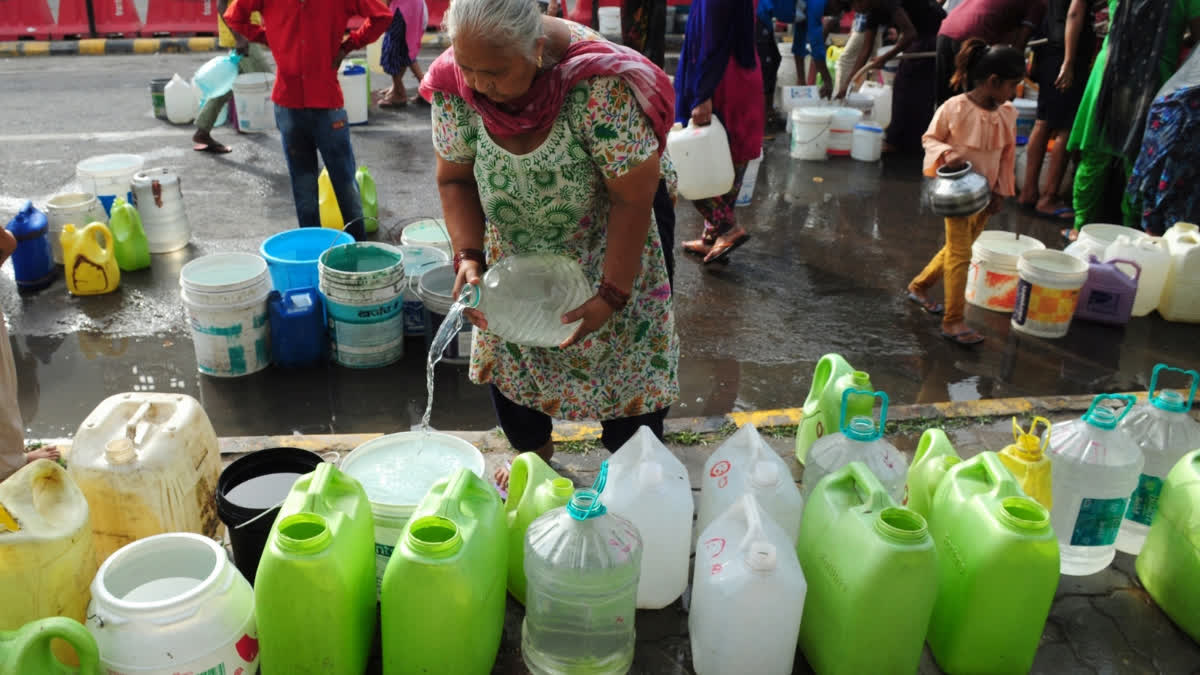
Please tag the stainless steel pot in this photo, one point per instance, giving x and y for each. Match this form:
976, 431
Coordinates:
958, 191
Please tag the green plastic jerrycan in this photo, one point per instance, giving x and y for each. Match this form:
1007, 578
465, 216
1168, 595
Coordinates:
997, 570
871, 569
132, 247
443, 596
823, 407
314, 594
1026, 459
370, 197
533, 489
1169, 564
26, 650
934, 457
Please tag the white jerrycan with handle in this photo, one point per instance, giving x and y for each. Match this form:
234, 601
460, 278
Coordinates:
179, 101
702, 159
746, 464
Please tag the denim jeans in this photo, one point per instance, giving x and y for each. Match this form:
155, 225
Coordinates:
304, 132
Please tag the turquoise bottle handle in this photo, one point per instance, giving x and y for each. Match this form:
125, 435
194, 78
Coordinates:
1195, 377
843, 423
1105, 418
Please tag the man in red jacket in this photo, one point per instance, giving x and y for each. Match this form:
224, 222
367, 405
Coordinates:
308, 39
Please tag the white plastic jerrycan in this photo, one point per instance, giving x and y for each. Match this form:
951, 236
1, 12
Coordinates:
860, 440
180, 101
747, 595
1181, 296
649, 487
1151, 254
702, 159
148, 463
746, 464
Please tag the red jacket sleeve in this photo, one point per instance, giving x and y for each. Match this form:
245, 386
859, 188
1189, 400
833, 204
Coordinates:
237, 17
377, 19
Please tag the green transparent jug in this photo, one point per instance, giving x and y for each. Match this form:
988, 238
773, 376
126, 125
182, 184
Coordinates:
1169, 564
370, 197
314, 594
533, 489
132, 247
26, 650
1026, 459
997, 570
445, 582
934, 457
823, 407
872, 577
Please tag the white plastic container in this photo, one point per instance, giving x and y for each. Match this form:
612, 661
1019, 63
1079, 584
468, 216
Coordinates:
649, 486
810, 133
1094, 239
702, 160
609, 21
73, 208
1026, 116
353, 80
225, 299
108, 176
866, 143
179, 100
396, 471
173, 603
46, 565
747, 595
841, 130
158, 196
860, 440
798, 97
745, 464
252, 99
749, 181
418, 260
787, 76
1047, 292
148, 463
992, 277
1181, 296
525, 296
888, 75
1094, 469
881, 96
427, 232
1165, 432
1150, 253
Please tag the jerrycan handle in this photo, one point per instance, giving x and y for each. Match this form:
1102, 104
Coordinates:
1020, 434
68, 630
1104, 418
1137, 274
98, 228
754, 525
1193, 375
861, 434
867, 483
321, 482
998, 475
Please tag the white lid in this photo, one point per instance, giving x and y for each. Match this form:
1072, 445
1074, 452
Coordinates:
1007, 243
1053, 262
110, 165
419, 259
761, 557
220, 272
428, 232
764, 474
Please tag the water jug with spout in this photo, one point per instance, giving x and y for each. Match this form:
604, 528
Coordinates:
33, 261
746, 464
523, 298
89, 265
217, 75
1026, 459
533, 489
1151, 255
823, 407
860, 440
702, 159
935, 455
180, 101
370, 198
1181, 295
131, 247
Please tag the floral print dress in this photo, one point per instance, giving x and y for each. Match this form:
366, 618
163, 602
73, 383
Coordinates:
554, 200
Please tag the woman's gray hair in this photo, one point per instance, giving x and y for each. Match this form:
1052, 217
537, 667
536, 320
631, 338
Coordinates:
516, 23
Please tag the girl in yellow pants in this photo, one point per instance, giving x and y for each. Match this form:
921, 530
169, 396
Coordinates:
977, 127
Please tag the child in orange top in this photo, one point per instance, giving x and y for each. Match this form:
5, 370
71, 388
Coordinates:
977, 127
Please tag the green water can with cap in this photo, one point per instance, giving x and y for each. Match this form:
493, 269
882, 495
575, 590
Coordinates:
533, 489
871, 569
823, 407
935, 456
445, 580
314, 594
1169, 564
1026, 459
997, 570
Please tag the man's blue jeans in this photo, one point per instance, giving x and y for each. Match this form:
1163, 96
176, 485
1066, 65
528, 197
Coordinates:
306, 131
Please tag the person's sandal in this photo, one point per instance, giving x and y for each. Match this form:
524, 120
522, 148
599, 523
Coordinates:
720, 252
966, 338
703, 246
926, 304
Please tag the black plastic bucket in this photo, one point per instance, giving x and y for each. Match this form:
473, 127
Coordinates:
252, 486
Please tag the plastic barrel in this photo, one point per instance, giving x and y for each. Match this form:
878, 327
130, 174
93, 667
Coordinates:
249, 538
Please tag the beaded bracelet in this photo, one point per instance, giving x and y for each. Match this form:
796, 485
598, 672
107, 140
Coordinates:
615, 297
472, 254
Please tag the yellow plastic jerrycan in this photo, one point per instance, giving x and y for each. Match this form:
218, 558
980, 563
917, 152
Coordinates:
823, 407
1026, 459
934, 457
331, 213
46, 566
27, 650
90, 267
533, 489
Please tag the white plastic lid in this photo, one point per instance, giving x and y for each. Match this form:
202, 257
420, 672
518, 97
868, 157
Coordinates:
761, 557
119, 451
764, 474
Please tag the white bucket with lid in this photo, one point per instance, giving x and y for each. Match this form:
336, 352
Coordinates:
252, 100
72, 208
108, 176
1094, 239
866, 143
1047, 292
158, 196
225, 299
427, 232
810, 133
173, 603
396, 471
992, 277
841, 130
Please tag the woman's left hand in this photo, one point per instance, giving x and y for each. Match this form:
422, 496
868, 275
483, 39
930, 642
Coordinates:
595, 313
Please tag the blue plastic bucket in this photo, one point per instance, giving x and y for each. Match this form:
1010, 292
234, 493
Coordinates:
363, 286
292, 255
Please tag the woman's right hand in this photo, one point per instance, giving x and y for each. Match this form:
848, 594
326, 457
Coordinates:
702, 114
469, 272
1066, 76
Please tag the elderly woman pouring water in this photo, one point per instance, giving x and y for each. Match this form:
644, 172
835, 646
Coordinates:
548, 141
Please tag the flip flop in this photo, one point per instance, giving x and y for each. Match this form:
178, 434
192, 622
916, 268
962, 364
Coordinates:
926, 304
1061, 213
966, 338
212, 148
723, 252
393, 105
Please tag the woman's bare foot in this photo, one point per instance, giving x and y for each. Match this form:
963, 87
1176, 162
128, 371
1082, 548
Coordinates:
49, 452
501, 475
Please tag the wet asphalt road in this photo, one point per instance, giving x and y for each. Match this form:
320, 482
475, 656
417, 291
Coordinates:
834, 244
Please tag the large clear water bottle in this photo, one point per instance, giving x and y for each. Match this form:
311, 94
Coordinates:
524, 298
582, 565
860, 440
1165, 432
1094, 468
